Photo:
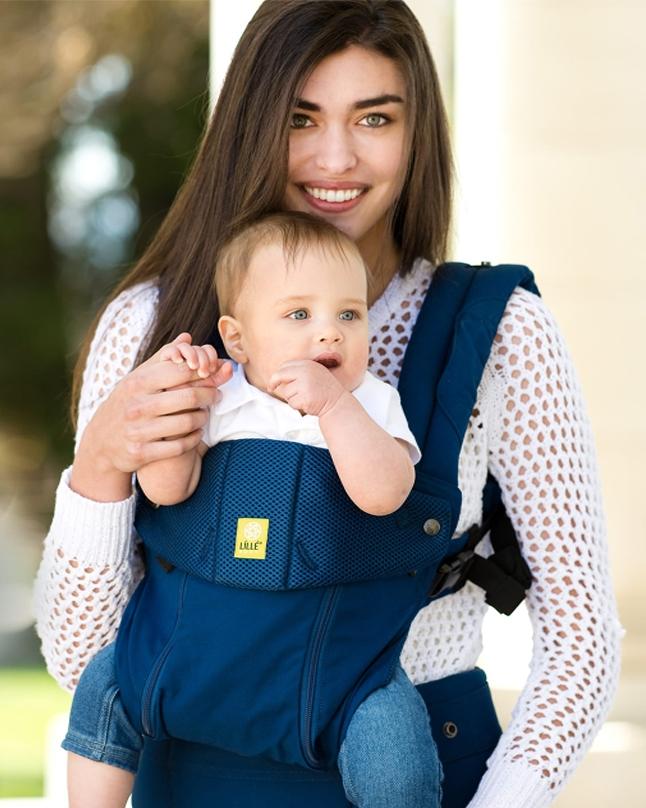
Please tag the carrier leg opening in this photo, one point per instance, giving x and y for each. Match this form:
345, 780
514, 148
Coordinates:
388, 758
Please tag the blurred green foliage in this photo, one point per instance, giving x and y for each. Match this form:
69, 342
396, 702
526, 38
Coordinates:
29, 699
48, 298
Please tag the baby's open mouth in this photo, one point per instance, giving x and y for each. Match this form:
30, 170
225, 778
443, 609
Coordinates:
329, 360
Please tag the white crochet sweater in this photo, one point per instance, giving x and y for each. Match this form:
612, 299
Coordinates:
529, 427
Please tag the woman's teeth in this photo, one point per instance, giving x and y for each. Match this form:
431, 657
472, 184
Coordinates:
332, 195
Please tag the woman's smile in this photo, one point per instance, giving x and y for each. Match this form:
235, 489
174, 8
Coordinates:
332, 197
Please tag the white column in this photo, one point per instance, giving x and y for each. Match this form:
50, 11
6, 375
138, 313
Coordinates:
228, 21
478, 136
436, 18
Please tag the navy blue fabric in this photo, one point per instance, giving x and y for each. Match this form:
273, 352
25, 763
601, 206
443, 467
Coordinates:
314, 527
173, 774
429, 348
297, 663
340, 642
466, 730
464, 307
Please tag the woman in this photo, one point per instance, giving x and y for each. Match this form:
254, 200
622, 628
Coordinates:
334, 108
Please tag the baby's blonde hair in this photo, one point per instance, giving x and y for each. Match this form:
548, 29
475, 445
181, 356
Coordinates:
294, 231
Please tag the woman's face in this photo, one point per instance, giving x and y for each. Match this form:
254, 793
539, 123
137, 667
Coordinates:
347, 146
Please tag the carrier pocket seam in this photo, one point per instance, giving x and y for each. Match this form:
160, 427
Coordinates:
158, 666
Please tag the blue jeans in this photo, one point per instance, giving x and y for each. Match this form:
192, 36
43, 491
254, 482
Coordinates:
99, 728
388, 757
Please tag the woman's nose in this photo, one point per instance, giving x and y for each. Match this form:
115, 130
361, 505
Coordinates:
335, 154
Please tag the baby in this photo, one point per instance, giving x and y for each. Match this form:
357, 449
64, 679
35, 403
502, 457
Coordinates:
293, 295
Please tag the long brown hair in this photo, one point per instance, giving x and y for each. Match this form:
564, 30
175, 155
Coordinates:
240, 170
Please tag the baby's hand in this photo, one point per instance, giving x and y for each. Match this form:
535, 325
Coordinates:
306, 386
201, 358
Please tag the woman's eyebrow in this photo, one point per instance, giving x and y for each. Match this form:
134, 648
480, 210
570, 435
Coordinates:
387, 98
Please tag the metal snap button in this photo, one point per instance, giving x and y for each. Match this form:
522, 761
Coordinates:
450, 729
432, 527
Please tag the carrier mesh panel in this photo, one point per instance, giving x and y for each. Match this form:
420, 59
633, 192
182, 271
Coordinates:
316, 535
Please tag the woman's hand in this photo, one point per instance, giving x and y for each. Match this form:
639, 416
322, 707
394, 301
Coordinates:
157, 411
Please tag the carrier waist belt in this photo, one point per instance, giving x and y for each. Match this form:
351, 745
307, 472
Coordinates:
278, 518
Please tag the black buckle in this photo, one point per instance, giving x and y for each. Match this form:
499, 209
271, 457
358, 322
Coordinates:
452, 573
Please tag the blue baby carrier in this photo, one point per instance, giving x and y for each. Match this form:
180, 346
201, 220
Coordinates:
272, 606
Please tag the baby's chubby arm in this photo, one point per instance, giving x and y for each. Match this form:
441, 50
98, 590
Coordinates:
375, 468
172, 480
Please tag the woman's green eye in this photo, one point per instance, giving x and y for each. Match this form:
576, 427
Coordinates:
348, 315
375, 119
299, 314
299, 121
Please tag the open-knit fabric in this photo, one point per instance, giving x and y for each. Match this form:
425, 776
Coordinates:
528, 427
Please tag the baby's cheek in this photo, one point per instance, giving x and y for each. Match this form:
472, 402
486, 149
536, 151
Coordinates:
360, 365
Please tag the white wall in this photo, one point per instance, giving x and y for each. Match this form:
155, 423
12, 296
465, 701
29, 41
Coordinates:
228, 20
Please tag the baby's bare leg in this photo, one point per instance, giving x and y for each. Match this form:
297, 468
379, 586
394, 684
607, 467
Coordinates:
97, 784
103, 745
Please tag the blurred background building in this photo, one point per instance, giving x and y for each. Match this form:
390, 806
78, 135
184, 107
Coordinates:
103, 103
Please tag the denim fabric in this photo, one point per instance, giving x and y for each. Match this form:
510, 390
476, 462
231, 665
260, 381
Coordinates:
388, 758
99, 728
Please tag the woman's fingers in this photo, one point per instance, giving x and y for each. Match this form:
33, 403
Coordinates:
169, 402
166, 427
140, 453
159, 409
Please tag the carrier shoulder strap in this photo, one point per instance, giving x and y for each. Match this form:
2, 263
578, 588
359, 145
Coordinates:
444, 362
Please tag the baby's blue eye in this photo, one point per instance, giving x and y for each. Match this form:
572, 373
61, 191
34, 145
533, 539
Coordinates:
348, 315
299, 314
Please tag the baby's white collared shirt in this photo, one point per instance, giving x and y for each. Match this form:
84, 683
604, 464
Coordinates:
244, 411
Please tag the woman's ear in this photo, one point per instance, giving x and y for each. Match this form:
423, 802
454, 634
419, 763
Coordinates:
231, 332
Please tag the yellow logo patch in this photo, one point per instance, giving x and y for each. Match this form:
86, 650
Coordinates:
251, 538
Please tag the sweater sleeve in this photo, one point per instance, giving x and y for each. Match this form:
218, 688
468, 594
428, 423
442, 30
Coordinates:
541, 451
90, 563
